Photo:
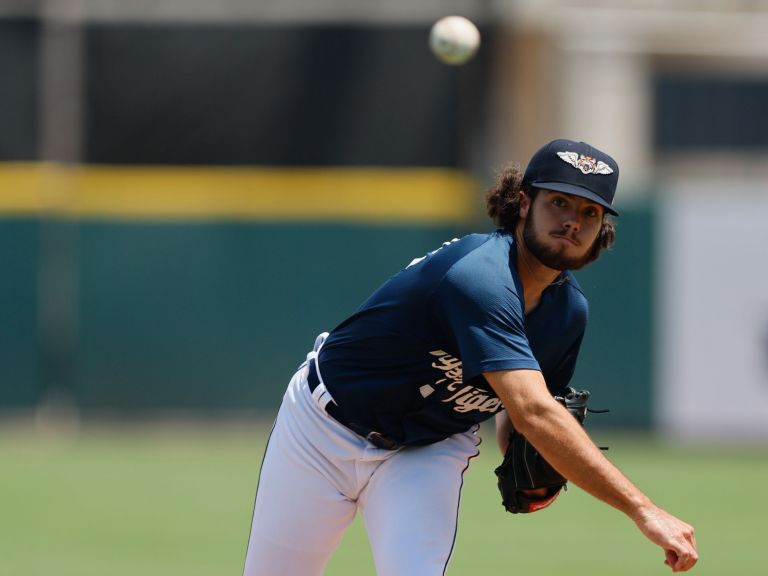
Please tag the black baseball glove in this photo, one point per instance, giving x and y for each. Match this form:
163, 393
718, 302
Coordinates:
524, 469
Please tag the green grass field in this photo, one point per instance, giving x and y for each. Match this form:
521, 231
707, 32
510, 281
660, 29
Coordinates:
176, 500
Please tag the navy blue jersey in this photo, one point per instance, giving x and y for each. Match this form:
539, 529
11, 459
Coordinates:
409, 361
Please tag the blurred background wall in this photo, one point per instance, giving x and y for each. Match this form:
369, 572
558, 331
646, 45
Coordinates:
190, 191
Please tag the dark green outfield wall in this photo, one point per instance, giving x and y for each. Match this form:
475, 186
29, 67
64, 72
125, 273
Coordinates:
217, 315
19, 359
616, 362
220, 315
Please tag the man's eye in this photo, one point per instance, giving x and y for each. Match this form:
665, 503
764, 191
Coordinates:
557, 201
591, 212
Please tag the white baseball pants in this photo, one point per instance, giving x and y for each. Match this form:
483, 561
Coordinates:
317, 473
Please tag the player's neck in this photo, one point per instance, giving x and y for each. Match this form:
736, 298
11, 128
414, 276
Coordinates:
534, 276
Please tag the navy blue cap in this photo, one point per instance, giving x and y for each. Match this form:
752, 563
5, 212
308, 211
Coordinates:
574, 168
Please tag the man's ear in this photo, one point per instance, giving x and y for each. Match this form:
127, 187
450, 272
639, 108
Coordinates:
525, 204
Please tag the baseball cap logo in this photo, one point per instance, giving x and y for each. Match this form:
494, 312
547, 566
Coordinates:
586, 164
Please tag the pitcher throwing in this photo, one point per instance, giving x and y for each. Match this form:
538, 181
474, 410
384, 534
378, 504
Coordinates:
382, 418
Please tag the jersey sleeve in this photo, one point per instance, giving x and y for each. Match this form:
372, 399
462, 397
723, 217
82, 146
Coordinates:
486, 320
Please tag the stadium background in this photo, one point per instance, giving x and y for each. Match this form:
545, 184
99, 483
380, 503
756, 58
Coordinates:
171, 260
190, 191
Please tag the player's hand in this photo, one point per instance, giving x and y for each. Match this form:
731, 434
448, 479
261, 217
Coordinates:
672, 534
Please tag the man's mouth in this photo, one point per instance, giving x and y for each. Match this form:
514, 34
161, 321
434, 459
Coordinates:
567, 238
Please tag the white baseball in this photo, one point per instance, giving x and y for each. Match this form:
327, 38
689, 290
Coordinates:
454, 39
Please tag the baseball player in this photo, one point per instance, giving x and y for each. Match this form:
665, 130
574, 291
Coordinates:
382, 418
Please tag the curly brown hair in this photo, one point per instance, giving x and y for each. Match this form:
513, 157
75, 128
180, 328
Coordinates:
502, 204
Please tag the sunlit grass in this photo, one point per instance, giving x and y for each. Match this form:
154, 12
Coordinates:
176, 499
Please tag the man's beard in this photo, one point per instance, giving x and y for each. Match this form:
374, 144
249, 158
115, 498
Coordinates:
551, 257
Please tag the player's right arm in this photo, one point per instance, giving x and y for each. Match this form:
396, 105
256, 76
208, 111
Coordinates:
564, 443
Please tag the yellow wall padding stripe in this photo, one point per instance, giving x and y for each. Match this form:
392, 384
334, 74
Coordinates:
350, 194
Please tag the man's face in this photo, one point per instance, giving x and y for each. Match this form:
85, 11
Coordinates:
560, 229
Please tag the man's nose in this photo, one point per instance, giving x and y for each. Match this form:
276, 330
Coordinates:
572, 222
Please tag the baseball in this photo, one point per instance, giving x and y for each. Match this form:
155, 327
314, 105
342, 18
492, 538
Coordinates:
454, 40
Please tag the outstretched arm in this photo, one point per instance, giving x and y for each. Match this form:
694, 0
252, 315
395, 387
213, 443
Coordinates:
566, 446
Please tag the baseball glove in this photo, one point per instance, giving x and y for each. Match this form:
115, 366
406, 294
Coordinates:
528, 482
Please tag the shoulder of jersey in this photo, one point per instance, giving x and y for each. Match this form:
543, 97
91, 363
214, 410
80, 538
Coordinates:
573, 285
